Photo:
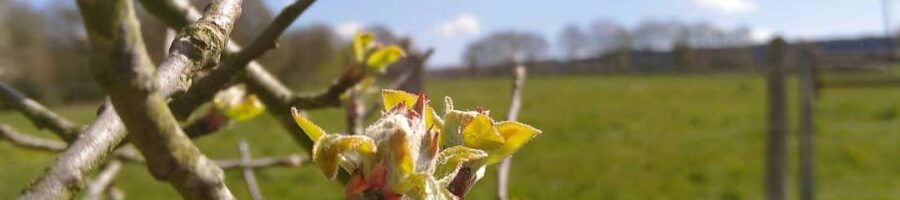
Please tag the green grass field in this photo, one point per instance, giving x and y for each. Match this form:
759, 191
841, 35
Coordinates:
605, 137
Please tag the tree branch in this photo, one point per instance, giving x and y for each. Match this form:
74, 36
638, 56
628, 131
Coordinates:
38, 114
125, 71
36, 143
217, 80
249, 177
271, 92
294, 160
515, 106
30, 142
99, 185
65, 176
130, 155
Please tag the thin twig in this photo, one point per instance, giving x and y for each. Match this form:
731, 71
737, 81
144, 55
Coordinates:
294, 160
38, 114
26, 141
99, 185
249, 177
515, 106
132, 156
48, 145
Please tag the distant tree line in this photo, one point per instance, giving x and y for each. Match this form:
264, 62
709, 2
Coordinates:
615, 47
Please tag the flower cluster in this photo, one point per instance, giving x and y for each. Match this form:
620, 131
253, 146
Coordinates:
412, 153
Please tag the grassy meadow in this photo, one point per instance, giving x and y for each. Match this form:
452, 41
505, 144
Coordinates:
605, 137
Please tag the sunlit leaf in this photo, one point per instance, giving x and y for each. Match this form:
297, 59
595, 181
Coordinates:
383, 57
330, 151
400, 162
515, 135
450, 160
313, 131
361, 42
481, 134
236, 104
392, 98
432, 120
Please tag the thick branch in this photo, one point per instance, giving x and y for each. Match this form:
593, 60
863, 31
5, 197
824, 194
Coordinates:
277, 97
38, 114
65, 176
515, 106
127, 75
217, 80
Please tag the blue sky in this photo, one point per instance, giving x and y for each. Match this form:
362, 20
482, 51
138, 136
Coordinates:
448, 25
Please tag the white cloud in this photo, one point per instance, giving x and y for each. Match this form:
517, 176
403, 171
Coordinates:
347, 29
463, 25
728, 6
761, 35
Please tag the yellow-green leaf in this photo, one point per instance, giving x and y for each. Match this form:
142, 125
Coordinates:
481, 134
450, 160
515, 135
400, 163
313, 131
392, 98
361, 42
432, 120
236, 104
334, 150
383, 57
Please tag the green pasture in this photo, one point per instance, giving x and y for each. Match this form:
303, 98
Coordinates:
605, 137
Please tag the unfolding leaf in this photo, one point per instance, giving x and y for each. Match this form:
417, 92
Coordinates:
450, 160
361, 42
400, 162
330, 151
383, 57
237, 104
481, 134
392, 98
313, 131
432, 120
515, 135
427, 187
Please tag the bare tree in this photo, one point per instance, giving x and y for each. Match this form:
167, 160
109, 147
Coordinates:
502, 47
607, 36
574, 43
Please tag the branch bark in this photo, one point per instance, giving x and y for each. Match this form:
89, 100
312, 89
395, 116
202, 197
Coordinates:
217, 80
271, 92
514, 108
65, 177
38, 114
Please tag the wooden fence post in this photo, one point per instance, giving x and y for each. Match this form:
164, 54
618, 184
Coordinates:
807, 98
776, 145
